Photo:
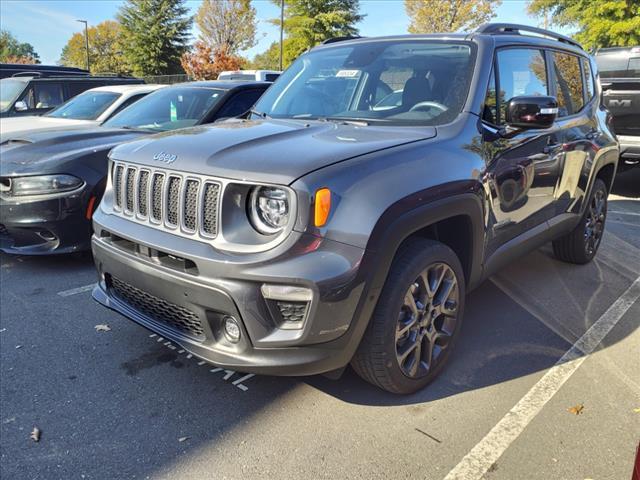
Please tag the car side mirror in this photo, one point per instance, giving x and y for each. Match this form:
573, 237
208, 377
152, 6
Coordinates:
21, 106
531, 112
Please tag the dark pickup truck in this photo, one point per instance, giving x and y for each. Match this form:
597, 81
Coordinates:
620, 78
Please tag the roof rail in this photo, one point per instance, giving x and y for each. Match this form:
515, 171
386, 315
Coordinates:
498, 28
338, 39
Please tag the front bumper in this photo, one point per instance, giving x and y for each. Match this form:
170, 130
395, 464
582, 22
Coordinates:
42, 226
185, 297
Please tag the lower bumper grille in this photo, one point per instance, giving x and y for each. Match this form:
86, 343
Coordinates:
156, 308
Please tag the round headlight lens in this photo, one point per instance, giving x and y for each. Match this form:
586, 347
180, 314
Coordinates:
44, 184
269, 209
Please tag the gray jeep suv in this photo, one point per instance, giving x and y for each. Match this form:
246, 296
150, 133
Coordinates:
322, 230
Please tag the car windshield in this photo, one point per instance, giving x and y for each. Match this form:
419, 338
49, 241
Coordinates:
168, 109
86, 106
417, 82
10, 90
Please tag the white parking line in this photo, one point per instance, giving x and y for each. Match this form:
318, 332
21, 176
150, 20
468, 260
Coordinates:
481, 457
624, 213
75, 291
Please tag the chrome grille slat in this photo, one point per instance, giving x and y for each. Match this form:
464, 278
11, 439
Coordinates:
210, 209
190, 205
117, 185
173, 201
143, 193
157, 197
130, 190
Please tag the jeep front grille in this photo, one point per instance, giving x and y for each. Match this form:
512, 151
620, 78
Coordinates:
184, 203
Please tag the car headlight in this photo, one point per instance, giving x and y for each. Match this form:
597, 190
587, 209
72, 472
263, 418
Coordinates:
269, 209
43, 185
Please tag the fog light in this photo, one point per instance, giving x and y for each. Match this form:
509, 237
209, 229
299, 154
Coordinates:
231, 329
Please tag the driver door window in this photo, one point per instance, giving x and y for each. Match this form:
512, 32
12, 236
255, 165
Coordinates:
47, 96
521, 71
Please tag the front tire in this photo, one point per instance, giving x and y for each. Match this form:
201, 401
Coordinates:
581, 244
417, 320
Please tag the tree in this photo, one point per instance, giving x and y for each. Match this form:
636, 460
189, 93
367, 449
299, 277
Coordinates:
309, 22
14, 51
227, 24
608, 23
270, 58
105, 49
155, 35
206, 63
438, 16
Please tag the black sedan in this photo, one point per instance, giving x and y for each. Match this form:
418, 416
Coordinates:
51, 181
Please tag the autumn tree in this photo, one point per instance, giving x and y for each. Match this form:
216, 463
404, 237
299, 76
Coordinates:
206, 63
608, 23
155, 35
229, 25
105, 49
14, 51
438, 16
309, 22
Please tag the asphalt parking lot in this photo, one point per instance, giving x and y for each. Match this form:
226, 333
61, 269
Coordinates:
124, 403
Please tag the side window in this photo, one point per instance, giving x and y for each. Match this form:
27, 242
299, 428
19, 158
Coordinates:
521, 71
589, 86
48, 95
568, 83
239, 103
132, 99
30, 97
490, 112
271, 77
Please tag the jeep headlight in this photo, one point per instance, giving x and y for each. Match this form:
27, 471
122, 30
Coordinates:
269, 209
43, 185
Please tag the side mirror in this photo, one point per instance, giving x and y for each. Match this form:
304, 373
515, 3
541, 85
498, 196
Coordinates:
531, 112
21, 106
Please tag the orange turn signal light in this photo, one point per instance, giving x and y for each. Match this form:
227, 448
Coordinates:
322, 206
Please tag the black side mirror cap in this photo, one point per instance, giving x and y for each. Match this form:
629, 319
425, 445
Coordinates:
527, 112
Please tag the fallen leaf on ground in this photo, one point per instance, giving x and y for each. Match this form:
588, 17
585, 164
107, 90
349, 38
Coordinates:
182, 439
636, 410
577, 410
35, 434
102, 328
18, 346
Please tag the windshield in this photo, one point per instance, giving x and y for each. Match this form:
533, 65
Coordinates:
394, 82
86, 106
10, 90
168, 109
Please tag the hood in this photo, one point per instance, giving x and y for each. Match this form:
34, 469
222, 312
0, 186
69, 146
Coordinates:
52, 151
272, 151
24, 125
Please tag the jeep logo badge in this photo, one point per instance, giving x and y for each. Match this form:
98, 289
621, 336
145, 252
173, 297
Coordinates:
165, 157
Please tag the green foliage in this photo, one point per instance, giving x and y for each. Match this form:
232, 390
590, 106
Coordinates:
105, 49
270, 59
442, 16
155, 35
602, 23
14, 51
229, 25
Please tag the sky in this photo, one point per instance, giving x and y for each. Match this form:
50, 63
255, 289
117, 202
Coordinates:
48, 24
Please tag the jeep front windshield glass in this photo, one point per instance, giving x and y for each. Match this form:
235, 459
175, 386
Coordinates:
10, 90
86, 106
168, 109
404, 82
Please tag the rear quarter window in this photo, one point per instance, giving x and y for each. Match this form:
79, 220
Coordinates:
568, 83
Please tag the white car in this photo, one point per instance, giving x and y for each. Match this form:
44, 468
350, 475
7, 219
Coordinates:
257, 75
90, 108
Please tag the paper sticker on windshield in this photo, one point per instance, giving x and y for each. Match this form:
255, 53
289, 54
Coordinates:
348, 73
